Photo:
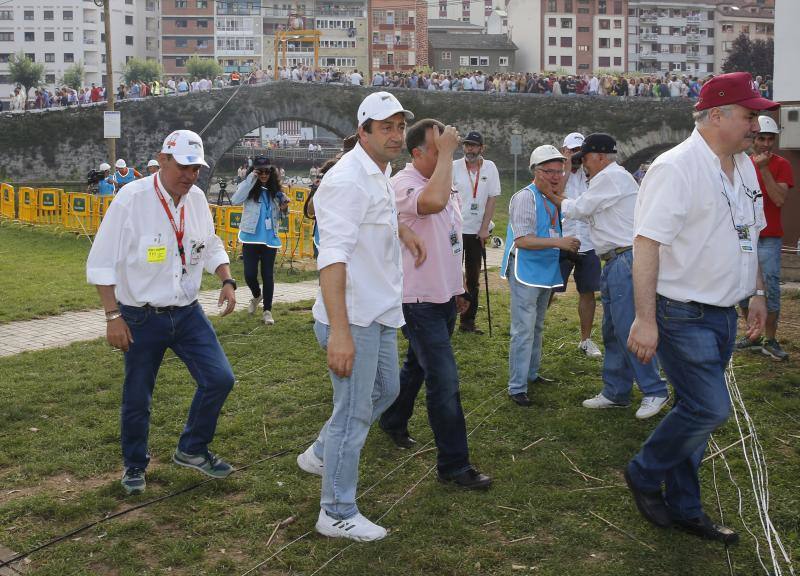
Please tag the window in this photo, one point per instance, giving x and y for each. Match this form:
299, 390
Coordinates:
745, 29
551, 6
202, 3
4, 58
69, 57
551, 41
202, 43
150, 5
6, 36
617, 24
566, 41
49, 57
502, 61
566, 22
583, 10
49, 36
202, 23
604, 42
130, 2
605, 24
552, 60
30, 37
483, 61
28, 15
180, 62
583, 48
129, 20
48, 15
617, 42
129, 40
31, 56
181, 23
566, 60
68, 36
6, 14
617, 60
710, 32
551, 22
567, 6
604, 62
584, 29
67, 14
49, 78
181, 3
181, 43
727, 27
463, 60
473, 61
710, 50
446, 56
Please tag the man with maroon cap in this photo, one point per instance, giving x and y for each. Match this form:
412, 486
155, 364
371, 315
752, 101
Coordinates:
697, 222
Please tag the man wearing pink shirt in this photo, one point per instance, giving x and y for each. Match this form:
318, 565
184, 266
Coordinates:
433, 293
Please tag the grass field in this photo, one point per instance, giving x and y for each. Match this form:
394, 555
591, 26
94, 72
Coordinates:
59, 467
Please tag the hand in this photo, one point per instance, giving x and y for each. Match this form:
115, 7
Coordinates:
118, 334
446, 142
227, 295
341, 352
462, 304
552, 195
643, 339
483, 235
756, 317
762, 160
567, 153
413, 244
568, 243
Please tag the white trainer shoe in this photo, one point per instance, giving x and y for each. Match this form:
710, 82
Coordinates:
355, 528
651, 405
601, 401
309, 462
253, 306
590, 348
268, 320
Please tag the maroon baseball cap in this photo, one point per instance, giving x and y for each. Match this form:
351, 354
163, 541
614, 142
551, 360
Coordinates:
733, 88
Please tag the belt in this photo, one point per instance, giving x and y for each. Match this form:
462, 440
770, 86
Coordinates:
162, 309
614, 253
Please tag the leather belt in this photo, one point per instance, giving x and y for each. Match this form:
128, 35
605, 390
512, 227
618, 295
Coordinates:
614, 253
162, 309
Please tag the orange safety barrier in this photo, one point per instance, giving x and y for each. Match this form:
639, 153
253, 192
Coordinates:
8, 202
27, 205
77, 213
48, 209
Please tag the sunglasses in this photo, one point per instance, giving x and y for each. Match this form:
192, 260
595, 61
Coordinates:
264, 172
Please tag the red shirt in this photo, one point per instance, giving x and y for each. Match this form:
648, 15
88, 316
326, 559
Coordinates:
781, 171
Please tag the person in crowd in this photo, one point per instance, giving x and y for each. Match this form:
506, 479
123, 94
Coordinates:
698, 210
106, 186
607, 205
123, 174
260, 193
152, 167
775, 179
147, 262
530, 262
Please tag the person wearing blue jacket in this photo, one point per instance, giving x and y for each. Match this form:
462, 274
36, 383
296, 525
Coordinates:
260, 194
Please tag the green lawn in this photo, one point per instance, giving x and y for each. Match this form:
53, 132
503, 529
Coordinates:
43, 272
59, 467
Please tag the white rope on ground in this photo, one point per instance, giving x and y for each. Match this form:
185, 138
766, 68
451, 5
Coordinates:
719, 507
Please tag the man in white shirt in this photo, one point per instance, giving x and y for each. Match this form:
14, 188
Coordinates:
586, 263
359, 307
356, 79
698, 218
594, 85
478, 184
608, 205
479, 81
147, 262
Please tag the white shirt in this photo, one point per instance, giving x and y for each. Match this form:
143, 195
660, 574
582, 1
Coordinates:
445, 85
480, 82
467, 84
357, 222
488, 180
607, 206
136, 251
594, 84
576, 185
356, 79
681, 205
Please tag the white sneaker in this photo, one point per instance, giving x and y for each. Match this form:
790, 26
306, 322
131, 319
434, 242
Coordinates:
355, 528
601, 401
268, 320
651, 405
253, 306
590, 348
309, 462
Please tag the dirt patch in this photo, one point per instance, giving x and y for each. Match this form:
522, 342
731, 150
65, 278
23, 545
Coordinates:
63, 486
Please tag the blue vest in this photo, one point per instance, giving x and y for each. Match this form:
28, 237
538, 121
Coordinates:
105, 187
538, 268
122, 180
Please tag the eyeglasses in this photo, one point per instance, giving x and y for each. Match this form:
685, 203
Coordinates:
262, 172
551, 172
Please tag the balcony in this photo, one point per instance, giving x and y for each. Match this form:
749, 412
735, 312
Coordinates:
648, 18
649, 36
236, 52
693, 19
235, 32
341, 12
648, 56
693, 56
693, 38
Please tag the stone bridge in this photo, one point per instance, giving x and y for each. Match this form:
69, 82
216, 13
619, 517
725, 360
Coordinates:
65, 144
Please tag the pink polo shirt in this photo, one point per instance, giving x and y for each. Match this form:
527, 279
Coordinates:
439, 278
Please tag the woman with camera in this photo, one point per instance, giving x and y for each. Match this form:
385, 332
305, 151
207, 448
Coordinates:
263, 201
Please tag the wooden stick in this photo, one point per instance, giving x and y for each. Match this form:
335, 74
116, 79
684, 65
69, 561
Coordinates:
532, 444
509, 508
578, 470
279, 525
598, 488
418, 452
718, 452
521, 539
628, 534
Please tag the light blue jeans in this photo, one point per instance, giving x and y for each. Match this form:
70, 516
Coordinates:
358, 401
528, 307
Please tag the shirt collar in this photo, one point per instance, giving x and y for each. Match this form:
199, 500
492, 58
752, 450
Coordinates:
700, 144
368, 163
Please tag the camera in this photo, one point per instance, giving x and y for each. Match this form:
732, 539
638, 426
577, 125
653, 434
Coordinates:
223, 185
94, 177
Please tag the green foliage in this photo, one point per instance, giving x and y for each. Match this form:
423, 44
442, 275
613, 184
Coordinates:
24, 71
198, 68
142, 70
757, 57
73, 76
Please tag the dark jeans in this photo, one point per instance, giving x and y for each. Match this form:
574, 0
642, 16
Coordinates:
253, 255
695, 344
189, 334
473, 257
430, 359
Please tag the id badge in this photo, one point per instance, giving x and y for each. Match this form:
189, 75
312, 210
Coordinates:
156, 254
554, 233
455, 242
195, 253
473, 208
745, 242
268, 223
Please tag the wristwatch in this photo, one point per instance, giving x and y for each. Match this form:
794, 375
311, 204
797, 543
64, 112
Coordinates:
230, 281
760, 293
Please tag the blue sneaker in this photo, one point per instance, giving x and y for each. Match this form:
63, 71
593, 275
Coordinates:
207, 463
133, 480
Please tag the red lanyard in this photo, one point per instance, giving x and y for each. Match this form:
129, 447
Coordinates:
477, 179
178, 231
552, 215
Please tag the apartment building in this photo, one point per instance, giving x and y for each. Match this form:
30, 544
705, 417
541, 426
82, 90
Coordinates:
61, 33
584, 36
398, 32
672, 36
238, 34
755, 18
475, 12
187, 29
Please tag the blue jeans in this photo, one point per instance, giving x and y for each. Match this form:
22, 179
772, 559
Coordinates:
769, 260
620, 366
430, 359
528, 308
358, 400
189, 334
695, 344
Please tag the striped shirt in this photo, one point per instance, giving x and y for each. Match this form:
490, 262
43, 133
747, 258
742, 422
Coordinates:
522, 213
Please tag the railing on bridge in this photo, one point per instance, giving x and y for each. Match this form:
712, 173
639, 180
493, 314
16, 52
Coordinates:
286, 154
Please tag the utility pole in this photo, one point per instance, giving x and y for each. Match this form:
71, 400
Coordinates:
110, 142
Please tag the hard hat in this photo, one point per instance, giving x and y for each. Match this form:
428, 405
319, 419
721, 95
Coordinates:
103, 167
153, 163
121, 163
767, 125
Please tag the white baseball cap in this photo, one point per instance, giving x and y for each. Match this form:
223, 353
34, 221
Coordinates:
545, 153
573, 140
380, 106
103, 167
767, 125
186, 147
120, 163
153, 163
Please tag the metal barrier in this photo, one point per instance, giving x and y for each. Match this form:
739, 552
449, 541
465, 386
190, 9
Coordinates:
8, 202
27, 204
77, 213
100, 206
228, 227
48, 209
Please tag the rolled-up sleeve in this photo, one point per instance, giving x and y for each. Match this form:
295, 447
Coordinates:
101, 266
340, 205
601, 194
662, 204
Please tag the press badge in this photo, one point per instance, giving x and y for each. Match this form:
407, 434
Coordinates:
268, 223
156, 254
745, 242
196, 253
473, 208
455, 242
554, 233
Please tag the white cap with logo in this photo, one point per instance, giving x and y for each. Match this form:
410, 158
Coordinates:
103, 167
573, 140
545, 153
186, 147
380, 106
120, 163
767, 125
153, 163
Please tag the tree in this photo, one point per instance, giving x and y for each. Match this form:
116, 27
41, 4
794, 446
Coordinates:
25, 72
763, 57
141, 70
198, 68
754, 57
73, 76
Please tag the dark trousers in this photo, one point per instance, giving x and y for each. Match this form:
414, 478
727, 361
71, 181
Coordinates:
190, 335
253, 255
430, 359
473, 256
